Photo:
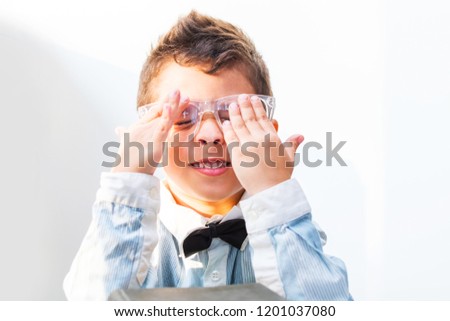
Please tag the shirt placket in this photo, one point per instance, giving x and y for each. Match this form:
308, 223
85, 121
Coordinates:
215, 273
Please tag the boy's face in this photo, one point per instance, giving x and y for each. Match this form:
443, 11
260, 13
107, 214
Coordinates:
203, 184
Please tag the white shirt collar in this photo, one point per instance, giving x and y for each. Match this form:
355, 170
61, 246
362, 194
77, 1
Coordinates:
181, 220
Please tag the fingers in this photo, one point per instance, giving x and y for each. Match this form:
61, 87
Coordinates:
154, 112
173, 102
248, 114
237, 123
229, 134
292, 144
250, 118
170, 111
183, 102
261, 115
176, 102
164, 124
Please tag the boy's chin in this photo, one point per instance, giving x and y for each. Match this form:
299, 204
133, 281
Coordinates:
206, 188
216, 194
209, 192
216, 189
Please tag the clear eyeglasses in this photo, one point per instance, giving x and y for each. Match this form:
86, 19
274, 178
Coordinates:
191, 116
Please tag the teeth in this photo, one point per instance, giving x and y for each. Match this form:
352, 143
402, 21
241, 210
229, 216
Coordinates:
216, 164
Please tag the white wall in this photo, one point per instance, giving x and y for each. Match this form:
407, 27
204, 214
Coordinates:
375, 74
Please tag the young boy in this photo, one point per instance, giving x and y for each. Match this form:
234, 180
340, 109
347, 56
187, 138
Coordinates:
190, 229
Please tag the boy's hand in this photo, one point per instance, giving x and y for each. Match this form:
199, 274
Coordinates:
259, 159
150, 132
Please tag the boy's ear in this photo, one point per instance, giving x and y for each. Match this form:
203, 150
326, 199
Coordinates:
275, 124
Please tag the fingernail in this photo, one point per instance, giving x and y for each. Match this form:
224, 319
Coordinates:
234, 106
184, 99
167, 107
174, 93
254, 98
243, 97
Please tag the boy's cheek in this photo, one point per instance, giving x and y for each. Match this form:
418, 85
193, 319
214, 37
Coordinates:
178, 157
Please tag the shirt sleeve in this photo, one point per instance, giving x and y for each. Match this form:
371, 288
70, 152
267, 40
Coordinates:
112, 254
287, 248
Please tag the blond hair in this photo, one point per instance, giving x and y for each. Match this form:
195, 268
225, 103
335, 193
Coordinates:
213, 44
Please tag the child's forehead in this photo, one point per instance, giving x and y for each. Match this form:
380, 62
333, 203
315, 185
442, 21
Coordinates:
198, 85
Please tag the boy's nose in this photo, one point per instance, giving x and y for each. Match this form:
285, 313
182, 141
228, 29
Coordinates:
209, 131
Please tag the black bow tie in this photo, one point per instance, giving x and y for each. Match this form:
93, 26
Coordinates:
232, 231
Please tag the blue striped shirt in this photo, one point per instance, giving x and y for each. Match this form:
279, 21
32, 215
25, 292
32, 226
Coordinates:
137, 229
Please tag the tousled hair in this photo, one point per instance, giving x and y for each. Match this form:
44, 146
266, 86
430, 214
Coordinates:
209, 43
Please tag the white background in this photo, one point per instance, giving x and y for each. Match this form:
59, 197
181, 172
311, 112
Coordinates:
374, 73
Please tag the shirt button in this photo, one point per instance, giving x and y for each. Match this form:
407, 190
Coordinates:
154, 193
215, 276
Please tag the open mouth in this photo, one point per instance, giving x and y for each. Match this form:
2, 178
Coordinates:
211, 164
